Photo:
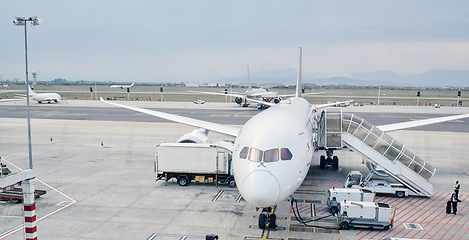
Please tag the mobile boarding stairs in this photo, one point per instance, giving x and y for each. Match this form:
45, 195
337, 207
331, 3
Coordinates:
336, 129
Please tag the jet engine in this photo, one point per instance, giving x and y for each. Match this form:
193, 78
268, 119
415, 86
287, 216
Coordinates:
238, 100
277, 100
197, 136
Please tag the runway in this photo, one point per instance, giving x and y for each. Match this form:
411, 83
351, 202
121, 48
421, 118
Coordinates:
230, 114
109, 191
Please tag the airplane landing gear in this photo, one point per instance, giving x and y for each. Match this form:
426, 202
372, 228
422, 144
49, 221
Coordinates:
330, 160
267, 219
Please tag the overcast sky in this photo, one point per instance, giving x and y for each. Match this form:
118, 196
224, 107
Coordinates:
205, 40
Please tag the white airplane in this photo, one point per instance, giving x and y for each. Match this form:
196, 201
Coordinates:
271, 158
256, 95
261, 96
44, 97
123, 86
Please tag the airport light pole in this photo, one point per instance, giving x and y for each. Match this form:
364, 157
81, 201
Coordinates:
21, 21
29, 204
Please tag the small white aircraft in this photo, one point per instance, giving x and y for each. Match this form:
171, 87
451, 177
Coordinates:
123, 86
271, 158
44, 97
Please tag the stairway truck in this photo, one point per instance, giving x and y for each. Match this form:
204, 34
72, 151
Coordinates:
337, 195
370, 215
383, 187
354, 180
186, 162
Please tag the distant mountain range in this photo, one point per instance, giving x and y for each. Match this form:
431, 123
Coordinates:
433, 78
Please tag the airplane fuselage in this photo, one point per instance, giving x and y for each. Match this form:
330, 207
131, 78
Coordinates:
273, 153
260, 93
46, 97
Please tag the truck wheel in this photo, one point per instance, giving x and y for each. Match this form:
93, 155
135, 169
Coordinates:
334, 209
182, 180
322, 161
400, 194
335, 163
345, 226
232, 183
386, 227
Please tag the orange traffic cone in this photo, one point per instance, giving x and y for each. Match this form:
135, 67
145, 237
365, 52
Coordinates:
102, 145
51, 139
363, 161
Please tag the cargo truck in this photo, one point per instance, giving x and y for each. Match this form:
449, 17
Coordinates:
371, 215
186, 162
336, 195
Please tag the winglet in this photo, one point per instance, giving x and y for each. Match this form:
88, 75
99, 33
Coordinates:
298, 80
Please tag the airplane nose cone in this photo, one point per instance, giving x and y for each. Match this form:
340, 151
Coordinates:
261, 189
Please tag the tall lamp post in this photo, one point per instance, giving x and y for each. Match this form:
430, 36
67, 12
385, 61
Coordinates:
29, 204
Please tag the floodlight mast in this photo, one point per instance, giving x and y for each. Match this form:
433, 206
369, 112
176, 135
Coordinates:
29, 204
21, 21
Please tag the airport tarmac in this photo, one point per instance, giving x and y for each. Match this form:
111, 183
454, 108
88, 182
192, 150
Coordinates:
109, 191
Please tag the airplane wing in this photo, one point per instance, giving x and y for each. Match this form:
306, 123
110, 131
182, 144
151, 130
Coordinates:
330, 104
417, 123
220, 128
304, 94
220, 94
236, 95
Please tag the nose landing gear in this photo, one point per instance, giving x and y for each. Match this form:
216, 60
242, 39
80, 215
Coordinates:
267, 219
330, 160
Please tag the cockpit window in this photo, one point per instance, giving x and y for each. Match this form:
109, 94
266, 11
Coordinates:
255, 155
271, 155
285, 154
244, 153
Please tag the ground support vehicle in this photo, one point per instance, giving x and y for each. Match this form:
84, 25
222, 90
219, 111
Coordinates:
369, 215
206, 163
354, 180
336, 195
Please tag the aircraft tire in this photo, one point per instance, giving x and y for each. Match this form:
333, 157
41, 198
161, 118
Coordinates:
335, 162
272, 220
262, 221
322, 161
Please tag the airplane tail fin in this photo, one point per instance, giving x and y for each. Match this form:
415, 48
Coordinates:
131, 85
31, 92
299, 85
249, 81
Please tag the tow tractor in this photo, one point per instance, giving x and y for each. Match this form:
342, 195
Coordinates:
354, 180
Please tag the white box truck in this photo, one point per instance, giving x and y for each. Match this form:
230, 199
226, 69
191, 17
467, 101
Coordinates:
193, 161
337, 195
370, 215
